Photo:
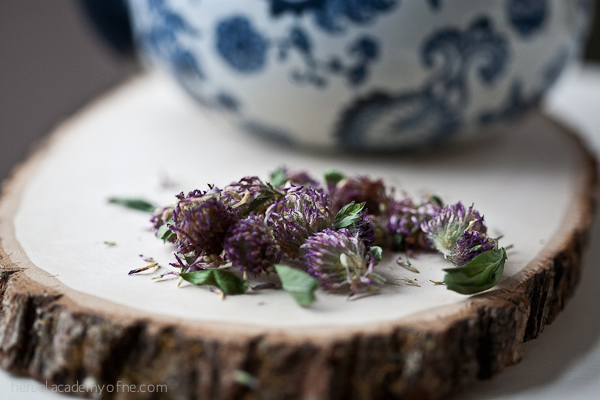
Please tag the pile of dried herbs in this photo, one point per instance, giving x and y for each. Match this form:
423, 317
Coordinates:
330, 236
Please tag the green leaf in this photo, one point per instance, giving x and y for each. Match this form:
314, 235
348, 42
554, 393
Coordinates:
278, 178
298, 283
377, 253
136, 204
479, 274
228, 282
348, 215
164, 233
437, 200
333, 176
398, 241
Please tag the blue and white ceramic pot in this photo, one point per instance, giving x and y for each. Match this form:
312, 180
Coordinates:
363, 74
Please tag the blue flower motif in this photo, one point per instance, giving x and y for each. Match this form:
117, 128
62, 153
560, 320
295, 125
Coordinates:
527, 16
365, 48
364, 51
162, 39
332, 15
434, 111
241, 45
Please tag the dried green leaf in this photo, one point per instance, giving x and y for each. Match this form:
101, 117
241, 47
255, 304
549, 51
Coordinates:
376, 252
222, 279
481, 273
348, 215
278, 178
135, 204
333, 177
298, 283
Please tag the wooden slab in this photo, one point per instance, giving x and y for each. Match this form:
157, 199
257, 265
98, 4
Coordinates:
70, 312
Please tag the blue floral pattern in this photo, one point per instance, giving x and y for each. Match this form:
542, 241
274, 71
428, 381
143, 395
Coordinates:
245, 49
434, 110
241, 45
363, 51
527, 16
334, 15
162, 40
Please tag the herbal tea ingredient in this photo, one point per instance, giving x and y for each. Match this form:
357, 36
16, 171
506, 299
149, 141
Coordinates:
310, 235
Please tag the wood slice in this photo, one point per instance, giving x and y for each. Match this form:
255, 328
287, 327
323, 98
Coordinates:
70, 313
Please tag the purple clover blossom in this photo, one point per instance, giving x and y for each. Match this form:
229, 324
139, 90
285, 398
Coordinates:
469, 246
340, 262
404, 223
360, 189
242, 192
201, 224
365, 228
299, 178
449, 224
247, 192
251, 247
302, 212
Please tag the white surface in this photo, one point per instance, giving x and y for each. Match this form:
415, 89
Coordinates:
565, 361
124, 144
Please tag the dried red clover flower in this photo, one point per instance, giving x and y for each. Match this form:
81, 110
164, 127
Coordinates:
296, 178
404, 221
449, 224
340, 262
302, 212
251, 247
361, 189
365, 228
201, 224
250, 194
469, 246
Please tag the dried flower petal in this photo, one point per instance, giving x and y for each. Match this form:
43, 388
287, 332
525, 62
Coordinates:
251, 247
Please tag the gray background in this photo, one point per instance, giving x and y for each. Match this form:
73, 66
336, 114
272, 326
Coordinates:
51, 63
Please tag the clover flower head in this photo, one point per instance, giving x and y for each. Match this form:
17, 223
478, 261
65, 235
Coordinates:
251, 247
249, 192
404, 220
201, 224
469, 246
365, 228
339, 261
302, 212
361, 189
298, 178
450, 223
